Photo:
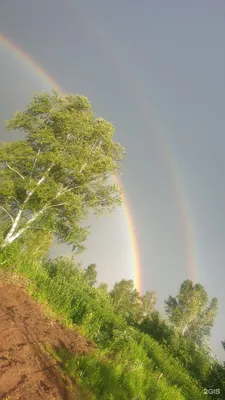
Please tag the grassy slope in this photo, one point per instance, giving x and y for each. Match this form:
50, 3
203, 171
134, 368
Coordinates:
129, 364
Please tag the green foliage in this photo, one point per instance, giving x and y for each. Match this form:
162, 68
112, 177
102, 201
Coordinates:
129, 363
124, 296
103, 286
174, 371
91, 274
49, 182
36, 243
156, 327
128, 301
112, 379
97, 376
148, 303
196, 360
216, 377
60, 172
189, 313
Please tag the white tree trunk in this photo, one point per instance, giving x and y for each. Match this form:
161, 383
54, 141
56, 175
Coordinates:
11, 236
9, 239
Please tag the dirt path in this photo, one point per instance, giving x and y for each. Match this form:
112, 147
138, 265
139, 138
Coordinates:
26, 371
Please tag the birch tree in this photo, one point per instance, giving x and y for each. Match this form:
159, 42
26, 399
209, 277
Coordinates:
60, 172
128, 300
148, 303
190, 313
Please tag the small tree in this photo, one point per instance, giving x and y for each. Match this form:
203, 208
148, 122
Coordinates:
148, 303
91, 274
126, 299
190, 313
60, 172
123, 295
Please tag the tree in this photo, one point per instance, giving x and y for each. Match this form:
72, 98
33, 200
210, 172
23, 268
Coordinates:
148, 303
201, 327
60, 172
90, 274
189, 314
122, 294
104, 287
62, 266
127, 300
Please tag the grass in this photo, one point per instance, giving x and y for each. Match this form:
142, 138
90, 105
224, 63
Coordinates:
128, 362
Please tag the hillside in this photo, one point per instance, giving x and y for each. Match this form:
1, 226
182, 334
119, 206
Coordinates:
41, 358
125, 350
27, 371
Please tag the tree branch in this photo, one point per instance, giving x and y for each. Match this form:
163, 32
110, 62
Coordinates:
97, 142
44, 176
35, 161
67, 189
16, 201
159, 377
54, 205
11, 238
21, 176
7, 213
20, 212
44, 229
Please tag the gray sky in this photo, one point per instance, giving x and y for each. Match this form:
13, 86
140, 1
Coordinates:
155, 69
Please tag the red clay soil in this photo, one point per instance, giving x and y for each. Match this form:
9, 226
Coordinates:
26, 370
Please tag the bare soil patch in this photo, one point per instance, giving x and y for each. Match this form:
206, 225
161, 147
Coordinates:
26, 370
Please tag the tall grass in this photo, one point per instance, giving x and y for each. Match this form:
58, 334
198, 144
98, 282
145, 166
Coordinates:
129, 364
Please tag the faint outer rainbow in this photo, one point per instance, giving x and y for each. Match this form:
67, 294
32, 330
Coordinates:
46, 78
114, 57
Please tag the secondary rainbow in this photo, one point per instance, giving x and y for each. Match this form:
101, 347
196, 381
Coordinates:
115, 58
47, 79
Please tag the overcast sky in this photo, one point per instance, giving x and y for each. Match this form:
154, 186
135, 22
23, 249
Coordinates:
155, 69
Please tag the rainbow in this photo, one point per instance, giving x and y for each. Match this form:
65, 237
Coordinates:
112, 54
47, 79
